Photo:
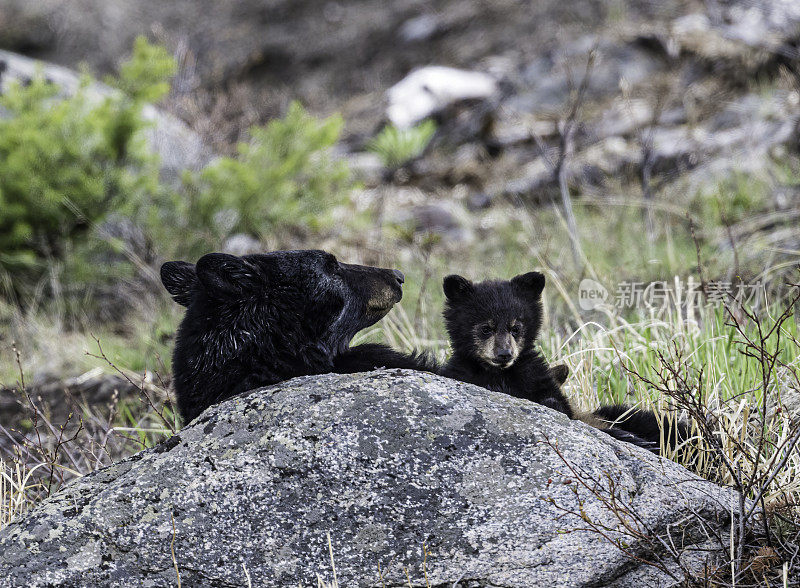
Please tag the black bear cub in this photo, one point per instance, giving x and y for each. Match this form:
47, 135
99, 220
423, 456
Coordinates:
493, 326
260, 319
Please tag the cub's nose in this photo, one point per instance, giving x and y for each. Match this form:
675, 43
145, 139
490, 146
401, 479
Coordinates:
504, 355
398, 275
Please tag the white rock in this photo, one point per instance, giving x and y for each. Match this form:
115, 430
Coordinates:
428, 90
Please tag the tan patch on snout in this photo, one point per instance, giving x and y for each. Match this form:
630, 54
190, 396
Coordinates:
382, 297
507, 341
486, 348
515, 347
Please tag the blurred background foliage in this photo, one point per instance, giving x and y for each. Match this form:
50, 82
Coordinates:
284, 177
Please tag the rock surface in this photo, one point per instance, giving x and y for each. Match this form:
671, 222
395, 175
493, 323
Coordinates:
386, 463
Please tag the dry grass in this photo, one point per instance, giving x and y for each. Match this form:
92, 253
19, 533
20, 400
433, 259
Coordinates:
17, 490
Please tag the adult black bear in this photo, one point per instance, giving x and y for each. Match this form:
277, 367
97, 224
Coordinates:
493, 326
260, 319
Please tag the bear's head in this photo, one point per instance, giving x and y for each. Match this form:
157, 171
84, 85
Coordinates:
279, 314
493, 322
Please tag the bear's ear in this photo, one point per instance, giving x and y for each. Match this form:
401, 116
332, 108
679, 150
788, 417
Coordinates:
531, 283
457, 288
223, 275
180, 280
559, 373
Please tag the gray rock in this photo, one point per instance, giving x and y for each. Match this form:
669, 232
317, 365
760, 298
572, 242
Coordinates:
547, 80
739, 138
420, 28
446, 219
628, 117
769, 24
479, 201
388, 463
730, 32
366, 166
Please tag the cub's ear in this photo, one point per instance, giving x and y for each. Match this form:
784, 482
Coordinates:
531, 283
222, 275
457, 288
559, 373
180, 280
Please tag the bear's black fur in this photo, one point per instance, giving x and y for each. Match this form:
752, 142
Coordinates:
560, 373
260, 319
372, 356
493, 326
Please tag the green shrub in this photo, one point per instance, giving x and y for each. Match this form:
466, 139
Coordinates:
145, 76
66, 162
63, 164
396, 147
284, 176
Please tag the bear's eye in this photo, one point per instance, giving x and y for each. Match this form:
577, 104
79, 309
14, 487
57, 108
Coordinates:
485, 330
515, 330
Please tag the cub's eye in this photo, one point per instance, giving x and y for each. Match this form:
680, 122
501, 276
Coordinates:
485, 330
515, 330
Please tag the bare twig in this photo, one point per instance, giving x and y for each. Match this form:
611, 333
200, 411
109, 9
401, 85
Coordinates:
567, 129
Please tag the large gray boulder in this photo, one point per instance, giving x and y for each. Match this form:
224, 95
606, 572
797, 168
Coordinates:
389, 464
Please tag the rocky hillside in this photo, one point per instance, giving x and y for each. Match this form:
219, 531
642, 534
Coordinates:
676, 97
405, 472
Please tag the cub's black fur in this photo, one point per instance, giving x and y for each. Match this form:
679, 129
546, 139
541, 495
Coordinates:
493, 326
260, 319
640, 427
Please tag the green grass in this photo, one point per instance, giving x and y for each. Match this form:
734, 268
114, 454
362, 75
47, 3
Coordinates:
15, 486
49, 343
